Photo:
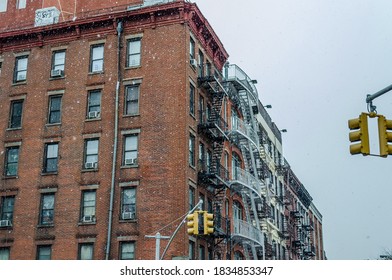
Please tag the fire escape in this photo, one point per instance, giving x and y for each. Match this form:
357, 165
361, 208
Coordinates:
245, 182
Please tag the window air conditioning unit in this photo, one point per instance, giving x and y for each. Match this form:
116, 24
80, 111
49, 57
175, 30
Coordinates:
130, 161
128, 216
91, 165
193, 62
5, 223
88, 219
57, 73
93, 115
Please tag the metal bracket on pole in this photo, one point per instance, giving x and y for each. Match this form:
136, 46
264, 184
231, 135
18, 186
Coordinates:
158, 238
371, 97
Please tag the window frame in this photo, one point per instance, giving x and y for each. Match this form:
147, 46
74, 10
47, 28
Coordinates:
128, 207
8, 162
41, 256
89, 245
131, 253
18, 71
91, 106
53, 111
192, 99
58, 66
5, 253
13, 117
5, 213
47, 158
192, 150
129, 101
87, 155
99, 59
130, 150
85, 208
50, 211
134, 51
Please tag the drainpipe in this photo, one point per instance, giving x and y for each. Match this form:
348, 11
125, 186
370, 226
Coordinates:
112, 186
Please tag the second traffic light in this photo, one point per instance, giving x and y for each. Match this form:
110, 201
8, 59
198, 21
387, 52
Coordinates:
208, 223
385, 136
359, 137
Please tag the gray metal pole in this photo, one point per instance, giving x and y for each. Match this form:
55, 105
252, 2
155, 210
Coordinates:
371, 97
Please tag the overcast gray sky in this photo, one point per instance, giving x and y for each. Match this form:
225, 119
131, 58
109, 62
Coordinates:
315, 62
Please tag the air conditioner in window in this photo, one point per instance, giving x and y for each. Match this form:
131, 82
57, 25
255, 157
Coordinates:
128, 216
57, 73
5, 223
91, 165
88, 219
130, 161
193, 62
93, 115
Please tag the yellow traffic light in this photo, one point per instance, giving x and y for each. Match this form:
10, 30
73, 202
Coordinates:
385, 136
208, 223
361, 135
193, 223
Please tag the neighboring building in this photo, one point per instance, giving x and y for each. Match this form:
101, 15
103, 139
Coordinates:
116, 121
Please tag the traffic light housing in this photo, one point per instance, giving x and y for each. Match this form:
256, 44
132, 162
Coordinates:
208, 223
385, 136
193, 223
359, 137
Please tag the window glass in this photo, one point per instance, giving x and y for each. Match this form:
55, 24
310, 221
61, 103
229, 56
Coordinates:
132, 100
134, 51
97, 58
11, 168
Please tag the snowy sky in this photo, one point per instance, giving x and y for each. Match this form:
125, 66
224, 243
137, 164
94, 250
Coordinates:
315, 62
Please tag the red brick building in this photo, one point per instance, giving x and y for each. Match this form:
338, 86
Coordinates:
115, 121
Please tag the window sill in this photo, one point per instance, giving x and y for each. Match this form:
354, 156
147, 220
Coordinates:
56, 78
129, 166
46, 226
92, 119
6, 228
133, 67
132, 221
131, 116
52, 124
49, 173
89, 170
10, 177
86, 223
13, 128
19, 83
96, 73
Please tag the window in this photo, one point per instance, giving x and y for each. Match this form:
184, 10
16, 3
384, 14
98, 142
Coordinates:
16, 114
5, 251
191, 198
132, 100
88, 206
235, 166
128, 204
3, 8
54, 109
11, 161
44, 252
20, 69
209, 161
7, 211
201, 109
192, 49
47, 209
96, 60
201, 64
58, 64
91, 154
192, 100
134, 52
1, 64
94, 104
201, 154
130, 149
21, 4
202, 252
192, 150
51, 157
86, 251
127, 250
191, 250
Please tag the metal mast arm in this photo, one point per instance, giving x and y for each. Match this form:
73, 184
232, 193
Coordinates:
371, 97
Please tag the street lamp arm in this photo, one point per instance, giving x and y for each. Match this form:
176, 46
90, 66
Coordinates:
371, 97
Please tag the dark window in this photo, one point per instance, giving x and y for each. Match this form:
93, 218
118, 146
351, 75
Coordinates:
191, 198
130, 149
91, 154
127, 250
94, 104
134, 52
132, 100
54, 109
86, 251
20, 72
47, 209
192, 49
192, 150
6, 211
191, 250
128, 204
16, 114
44, 252
96, 60
192, 100
58, 64
51, 157
4, 253
88, 206
11, 161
